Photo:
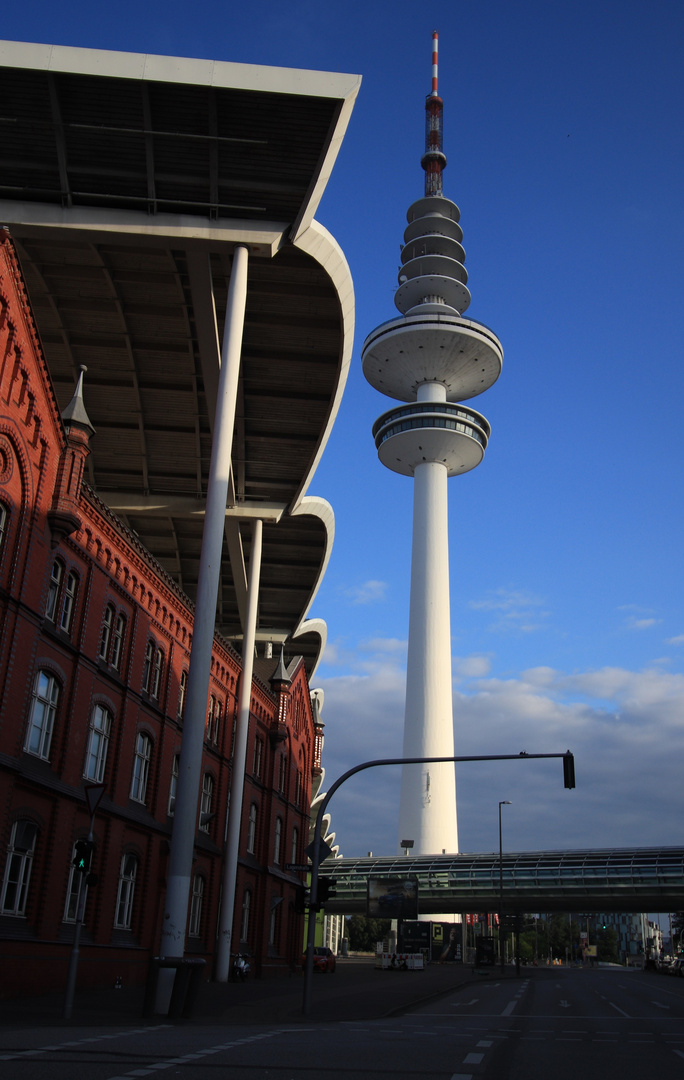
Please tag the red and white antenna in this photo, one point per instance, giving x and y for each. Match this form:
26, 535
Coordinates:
434, 159
435, 57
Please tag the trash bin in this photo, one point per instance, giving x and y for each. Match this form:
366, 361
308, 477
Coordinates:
189, 970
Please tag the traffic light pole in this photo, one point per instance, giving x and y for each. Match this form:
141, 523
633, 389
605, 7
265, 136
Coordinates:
75, 949
93, 795
568, 780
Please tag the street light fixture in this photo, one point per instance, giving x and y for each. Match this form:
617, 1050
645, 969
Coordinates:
504, 802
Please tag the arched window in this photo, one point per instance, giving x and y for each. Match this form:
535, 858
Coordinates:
43, 712
205, 802
141, 766
15, 882
246, 907
195, 920
277, 840
251, 828
98, 744
124, 897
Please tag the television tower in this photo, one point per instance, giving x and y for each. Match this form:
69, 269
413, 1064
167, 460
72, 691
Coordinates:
432, 358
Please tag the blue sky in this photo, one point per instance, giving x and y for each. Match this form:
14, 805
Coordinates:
563, 134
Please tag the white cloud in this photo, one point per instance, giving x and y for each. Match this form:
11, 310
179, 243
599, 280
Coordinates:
678, 640
369, 592
640, 624
471, 667
515, 610
626, 729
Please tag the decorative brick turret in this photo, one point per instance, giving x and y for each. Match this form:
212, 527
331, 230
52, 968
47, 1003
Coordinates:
63, 516
281, 683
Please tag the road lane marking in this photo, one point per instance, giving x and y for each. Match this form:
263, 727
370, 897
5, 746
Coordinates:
678, 1053
475, 1059
618, 1009
509, 1008
484, 1043
81, 1042
462, 1076
658, 1005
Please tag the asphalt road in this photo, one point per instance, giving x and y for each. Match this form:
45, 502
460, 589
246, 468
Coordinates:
551, 1023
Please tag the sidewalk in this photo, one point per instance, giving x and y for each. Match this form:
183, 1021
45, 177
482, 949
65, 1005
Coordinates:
357, 991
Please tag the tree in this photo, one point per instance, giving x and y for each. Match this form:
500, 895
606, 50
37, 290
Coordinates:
363, 933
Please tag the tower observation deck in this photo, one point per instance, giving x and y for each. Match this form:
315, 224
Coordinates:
431, 358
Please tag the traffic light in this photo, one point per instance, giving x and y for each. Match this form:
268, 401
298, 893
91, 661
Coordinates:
326, 889
568, 770
301, 901
83, 856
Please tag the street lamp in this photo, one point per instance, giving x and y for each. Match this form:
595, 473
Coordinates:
504, 802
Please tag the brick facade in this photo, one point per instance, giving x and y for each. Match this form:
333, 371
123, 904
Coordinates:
94, 649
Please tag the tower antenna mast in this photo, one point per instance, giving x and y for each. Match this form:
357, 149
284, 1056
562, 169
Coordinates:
433, 160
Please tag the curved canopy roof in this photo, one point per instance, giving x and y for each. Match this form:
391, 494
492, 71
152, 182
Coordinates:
126, 181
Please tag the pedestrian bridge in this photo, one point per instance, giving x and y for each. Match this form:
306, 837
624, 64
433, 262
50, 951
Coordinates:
614, 879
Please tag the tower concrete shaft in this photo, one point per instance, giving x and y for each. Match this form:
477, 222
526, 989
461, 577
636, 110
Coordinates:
432, 359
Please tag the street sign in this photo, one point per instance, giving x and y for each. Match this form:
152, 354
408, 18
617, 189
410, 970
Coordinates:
324, 851
298, 867
93, 794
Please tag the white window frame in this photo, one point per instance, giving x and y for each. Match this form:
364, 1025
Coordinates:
246, 910
69, 601
157, 670
141, 767
18, 867
182, 690
43, 713
54, 587
251, 827
258, 757
277, 840
123, 913
195, 920
173, 786
206, 799
98, 744
295, 845
118, 636
77, 881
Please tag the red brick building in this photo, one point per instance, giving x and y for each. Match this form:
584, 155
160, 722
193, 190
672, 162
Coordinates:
95, 642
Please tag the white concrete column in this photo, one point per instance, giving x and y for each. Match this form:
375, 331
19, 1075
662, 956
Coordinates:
190, 769
427, 812
239, 762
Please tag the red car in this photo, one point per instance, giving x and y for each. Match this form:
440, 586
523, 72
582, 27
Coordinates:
323, 959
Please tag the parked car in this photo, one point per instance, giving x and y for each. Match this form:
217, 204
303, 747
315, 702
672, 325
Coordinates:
324, 959
677, 967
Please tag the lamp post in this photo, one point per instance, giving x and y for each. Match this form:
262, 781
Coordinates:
504, 802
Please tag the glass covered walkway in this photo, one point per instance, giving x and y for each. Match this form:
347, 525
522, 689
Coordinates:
614, 879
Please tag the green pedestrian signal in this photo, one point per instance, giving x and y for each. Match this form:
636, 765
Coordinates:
83, 855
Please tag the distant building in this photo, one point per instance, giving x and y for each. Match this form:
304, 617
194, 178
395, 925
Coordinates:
95, 642
638, 936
